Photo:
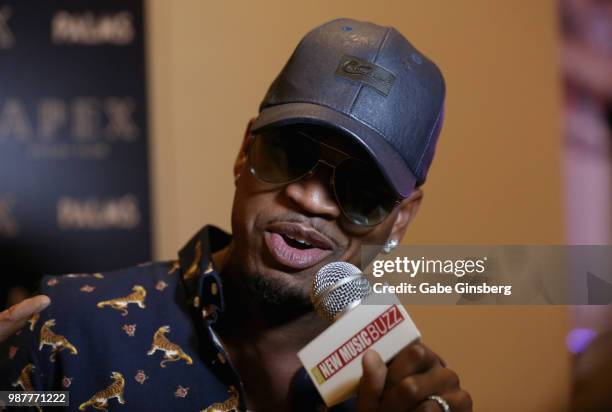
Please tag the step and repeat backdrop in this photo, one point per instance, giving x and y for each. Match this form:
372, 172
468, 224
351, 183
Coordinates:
74, 188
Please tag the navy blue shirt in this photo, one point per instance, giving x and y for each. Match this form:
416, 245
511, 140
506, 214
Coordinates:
136, 339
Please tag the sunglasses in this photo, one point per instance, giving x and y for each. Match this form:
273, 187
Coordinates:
288, 154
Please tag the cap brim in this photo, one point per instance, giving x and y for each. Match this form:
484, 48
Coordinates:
388, 160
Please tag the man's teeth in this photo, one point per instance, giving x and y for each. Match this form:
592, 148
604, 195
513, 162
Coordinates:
303, 242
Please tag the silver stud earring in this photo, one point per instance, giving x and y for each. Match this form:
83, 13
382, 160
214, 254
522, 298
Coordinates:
390, 245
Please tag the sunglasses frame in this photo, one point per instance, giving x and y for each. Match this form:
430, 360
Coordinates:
341, 157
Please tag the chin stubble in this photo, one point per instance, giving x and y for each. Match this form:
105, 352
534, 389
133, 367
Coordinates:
274, 294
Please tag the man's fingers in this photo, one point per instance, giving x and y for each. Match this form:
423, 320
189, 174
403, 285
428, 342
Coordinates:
413, 390
15, 317
372, 382
25, 309
459, 401
414, 358
9, 327
442, 361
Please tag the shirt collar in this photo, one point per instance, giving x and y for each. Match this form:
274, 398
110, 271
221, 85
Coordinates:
199, 274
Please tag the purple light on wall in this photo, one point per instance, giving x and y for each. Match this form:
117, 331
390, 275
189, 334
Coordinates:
579, 339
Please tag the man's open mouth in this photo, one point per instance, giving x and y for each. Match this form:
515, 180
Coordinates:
296, 243
297, 246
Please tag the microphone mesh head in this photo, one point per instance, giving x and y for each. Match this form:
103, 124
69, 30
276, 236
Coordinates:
330, 296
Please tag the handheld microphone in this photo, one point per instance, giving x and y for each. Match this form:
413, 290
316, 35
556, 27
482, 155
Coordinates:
340, 293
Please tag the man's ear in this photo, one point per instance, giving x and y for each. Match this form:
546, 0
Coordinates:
241, 158
407, 210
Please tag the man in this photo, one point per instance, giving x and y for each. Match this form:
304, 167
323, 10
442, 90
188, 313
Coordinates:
334, 161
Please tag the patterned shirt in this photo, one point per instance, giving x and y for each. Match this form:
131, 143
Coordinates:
137, 339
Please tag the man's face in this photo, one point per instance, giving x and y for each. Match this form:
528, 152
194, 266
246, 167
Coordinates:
283, 234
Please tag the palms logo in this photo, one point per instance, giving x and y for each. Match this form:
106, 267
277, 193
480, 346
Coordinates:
7, 39
8, 223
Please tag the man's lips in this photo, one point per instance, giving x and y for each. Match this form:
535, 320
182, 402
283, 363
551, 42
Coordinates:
297, 246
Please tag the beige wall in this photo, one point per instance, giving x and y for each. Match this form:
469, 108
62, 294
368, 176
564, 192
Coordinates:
495, 179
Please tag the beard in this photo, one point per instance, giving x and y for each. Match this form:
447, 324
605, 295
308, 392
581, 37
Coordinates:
278, 299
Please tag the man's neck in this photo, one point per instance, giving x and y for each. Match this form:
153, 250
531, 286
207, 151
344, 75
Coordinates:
246, 315
262, 340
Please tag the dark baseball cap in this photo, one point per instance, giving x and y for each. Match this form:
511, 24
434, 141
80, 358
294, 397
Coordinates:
369, 82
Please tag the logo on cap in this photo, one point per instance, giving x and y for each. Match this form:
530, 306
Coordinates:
370, 74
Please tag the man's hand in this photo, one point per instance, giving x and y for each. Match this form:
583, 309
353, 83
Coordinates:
15, 317
413, 375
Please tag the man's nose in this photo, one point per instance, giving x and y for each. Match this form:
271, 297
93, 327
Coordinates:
313, 194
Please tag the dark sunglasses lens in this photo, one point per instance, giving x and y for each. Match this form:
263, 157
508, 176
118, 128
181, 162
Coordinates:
279, 156
363, 193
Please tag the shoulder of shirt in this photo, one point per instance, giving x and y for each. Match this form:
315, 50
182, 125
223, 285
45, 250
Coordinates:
76, 317
149, 273
77, 297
